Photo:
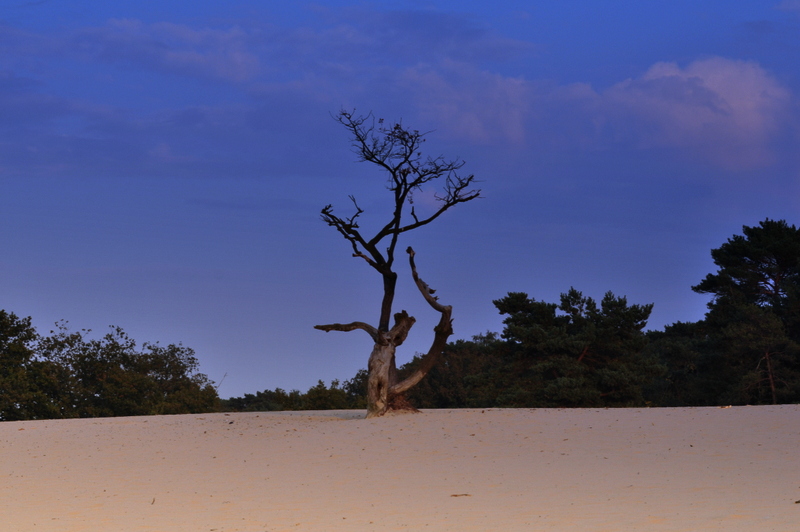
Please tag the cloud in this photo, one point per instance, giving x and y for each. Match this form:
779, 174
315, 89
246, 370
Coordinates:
789, 5
439, 66
172, 48
439, 70
411, 36
724, 110
728, 113
482, 107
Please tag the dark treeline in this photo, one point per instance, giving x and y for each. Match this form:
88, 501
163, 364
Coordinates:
578, 353
339, 396
745, 351
66, 375
573, 353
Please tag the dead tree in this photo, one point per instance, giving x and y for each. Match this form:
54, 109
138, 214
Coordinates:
396, 150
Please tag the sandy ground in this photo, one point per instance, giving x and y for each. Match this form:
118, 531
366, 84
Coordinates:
694, 469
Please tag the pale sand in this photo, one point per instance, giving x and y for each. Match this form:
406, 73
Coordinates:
694, 469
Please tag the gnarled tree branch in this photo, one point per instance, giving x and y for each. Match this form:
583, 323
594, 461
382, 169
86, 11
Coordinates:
346, 327
442, 332
402, 325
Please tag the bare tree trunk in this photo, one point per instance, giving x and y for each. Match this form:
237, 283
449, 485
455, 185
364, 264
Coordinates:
382, 367
381, 397
771, 377
384, 392
379, 369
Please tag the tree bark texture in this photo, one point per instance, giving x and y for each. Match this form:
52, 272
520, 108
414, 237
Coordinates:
384, 389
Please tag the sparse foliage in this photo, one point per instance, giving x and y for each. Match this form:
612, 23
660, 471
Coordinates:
396, 150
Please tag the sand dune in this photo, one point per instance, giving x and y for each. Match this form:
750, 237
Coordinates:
709, 469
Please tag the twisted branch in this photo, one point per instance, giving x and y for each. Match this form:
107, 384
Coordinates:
346, 327
442, 332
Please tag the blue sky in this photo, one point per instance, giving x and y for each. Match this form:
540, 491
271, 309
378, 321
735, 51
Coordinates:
162, 166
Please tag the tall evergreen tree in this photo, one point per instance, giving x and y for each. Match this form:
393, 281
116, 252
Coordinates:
760, 267
753, 321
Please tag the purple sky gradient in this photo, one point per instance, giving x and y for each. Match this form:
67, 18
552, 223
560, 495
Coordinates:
162, 168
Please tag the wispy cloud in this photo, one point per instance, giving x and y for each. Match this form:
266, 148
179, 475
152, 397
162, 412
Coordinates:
468, 103
172, 48
789, 5
723, 111
727, 111
444, 68
412, 36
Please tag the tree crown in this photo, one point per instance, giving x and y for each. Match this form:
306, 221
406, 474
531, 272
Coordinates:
397, 150
762, 266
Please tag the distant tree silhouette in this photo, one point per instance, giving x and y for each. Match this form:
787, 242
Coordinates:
747, 348
66, 375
